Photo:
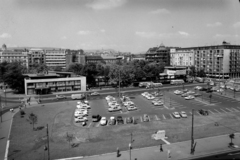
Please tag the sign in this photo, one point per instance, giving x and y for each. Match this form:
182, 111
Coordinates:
170, 72
159, 135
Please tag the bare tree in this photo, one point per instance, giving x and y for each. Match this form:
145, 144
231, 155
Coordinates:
69, 138
32, 119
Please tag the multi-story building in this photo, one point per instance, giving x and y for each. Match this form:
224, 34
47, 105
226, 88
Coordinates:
55, 57
75, 56
182, 57
36, 56
11, 55
158, 54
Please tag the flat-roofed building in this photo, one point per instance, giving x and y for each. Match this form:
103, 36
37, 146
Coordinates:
13, 55
36, 84
182, 57
55, 57
36, 56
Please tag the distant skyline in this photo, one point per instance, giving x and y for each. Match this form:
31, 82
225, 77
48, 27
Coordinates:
123, 25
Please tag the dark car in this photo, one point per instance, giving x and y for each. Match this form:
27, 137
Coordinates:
203, 112
209, 90
203, 89
96, 118
197, 95
129, 120
120, 120
60, 97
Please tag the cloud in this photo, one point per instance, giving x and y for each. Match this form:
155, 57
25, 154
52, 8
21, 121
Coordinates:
216, 24
226, 36
5, 35
103, 30
236, 25
83, 32
183, 33
63, 37
160, 11
105, 4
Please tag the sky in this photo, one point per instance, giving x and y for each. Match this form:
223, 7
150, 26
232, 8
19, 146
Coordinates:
123, 25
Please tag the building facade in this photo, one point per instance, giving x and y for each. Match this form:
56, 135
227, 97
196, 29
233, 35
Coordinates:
13, 55
158, 54
36, 56
182, 57
55, 58
47, 84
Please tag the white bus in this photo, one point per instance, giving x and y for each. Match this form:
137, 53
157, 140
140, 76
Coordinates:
77, 96
177, 81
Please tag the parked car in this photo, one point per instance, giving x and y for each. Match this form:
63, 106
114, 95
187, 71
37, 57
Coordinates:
185, 95
189, 97
176, 115
96, 118
129, 120
95, 94
198, 87
190, 92
113, 109
60, 97
185, 90
203, 89
120, 120
197, 95
131, 108
77, 96
183, 114
103, 121
146, 118
80, 119
112, 121
203, 112
158, 103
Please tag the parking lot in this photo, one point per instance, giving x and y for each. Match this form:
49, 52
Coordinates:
215, 105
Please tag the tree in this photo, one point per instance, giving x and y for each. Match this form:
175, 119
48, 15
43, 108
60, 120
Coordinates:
33, 119
76, 68
13, 76
3, 70
192, 71
201, 73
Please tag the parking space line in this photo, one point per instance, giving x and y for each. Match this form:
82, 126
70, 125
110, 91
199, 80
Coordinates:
133, 119
211, 112
141, 118
125, 120
228, 109
235, 110
98, 125
171, 115
156, 117
89, 124
198, 113
149, 118
223, 110
217, 111
190, 113
164, 116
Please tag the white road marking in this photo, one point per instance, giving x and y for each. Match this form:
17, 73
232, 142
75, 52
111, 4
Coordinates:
171, 115
164, 116
141, 118
211, 112
217, 111
156, 117
98, 125
164, 140
235, 110
223, 110
228, 109
149, 118
198, 113
133, 119
190, 113
89, 124
125, 119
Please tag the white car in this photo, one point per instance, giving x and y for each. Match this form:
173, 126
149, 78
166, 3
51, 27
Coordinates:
113, 109
176, 91
183, 114
144, 93
190, 92
158, 104
131, 108
81, 119
176, 115
150, 97
189, 97
86, 102
109, 97
103, 121
95, 94
198, 87
128, 103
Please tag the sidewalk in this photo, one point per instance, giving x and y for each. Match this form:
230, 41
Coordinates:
5, 127
179, 150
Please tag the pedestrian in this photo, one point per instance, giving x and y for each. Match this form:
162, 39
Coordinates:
118, 152
161, 149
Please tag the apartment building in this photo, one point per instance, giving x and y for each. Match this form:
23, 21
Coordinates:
36, 56
12, 55
158, 54
55, 57
182, 57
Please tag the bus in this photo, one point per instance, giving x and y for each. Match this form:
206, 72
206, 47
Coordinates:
177, 81
77, 96
144, 84
153, 85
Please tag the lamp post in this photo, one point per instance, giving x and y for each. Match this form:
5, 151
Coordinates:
5, 97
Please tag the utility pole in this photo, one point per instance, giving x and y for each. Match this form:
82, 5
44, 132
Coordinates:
130, 147
192, 139
48, 144
1, 108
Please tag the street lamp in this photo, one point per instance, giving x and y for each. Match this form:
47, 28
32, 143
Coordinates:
5, 97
